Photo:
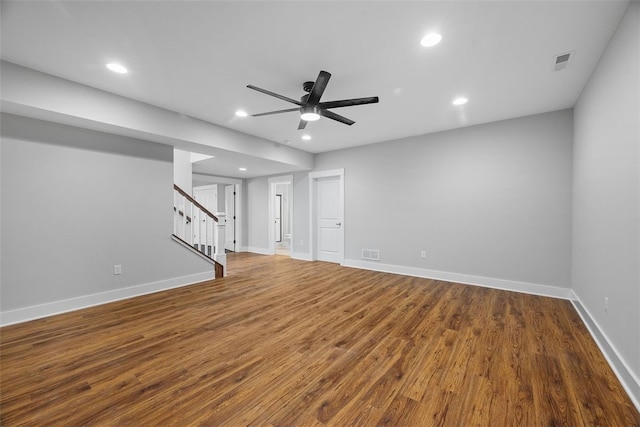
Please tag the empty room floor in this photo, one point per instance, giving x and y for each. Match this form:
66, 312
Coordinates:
281, 342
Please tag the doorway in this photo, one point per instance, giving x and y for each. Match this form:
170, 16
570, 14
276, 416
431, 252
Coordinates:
281, 215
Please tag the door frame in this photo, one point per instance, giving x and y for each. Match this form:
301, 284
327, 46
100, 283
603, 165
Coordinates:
313, 204
284, 179
237, 232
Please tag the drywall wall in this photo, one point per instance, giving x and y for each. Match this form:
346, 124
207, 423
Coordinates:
77, 202
491, 200
182, 170
300, 244
258, 215
31, 93
606, 187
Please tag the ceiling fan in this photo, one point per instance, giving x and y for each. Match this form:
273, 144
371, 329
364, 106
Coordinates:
310, 107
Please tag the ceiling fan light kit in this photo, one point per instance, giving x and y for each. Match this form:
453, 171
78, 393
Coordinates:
310, 113
310, 107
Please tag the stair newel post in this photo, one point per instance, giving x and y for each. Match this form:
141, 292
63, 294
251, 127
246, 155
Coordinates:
219, 238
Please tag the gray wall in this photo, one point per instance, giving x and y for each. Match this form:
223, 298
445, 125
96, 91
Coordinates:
182, 170
491, 200
75, 203
300, 245
257, 214
606, 204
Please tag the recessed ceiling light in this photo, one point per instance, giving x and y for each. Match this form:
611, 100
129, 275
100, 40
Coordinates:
460, 101
431, 39
242, 169
117, 68
241, 113
306, 137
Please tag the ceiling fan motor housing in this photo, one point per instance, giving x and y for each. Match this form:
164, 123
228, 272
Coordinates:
307, 86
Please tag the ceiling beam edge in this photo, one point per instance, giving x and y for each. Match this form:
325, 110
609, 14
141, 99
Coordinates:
38, 95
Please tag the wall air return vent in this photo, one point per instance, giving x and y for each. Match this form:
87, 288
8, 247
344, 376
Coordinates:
561, 61
371, 254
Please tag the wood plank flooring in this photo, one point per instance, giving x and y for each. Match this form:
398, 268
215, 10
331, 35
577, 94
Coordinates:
281, 342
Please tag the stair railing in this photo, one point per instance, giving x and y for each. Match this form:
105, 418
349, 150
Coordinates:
198, 228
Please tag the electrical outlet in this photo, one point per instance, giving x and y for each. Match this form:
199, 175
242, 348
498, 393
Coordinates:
117, 269
423, 254
301, 242
606, 304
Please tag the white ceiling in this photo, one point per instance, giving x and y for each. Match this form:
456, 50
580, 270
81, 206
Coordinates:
196, 58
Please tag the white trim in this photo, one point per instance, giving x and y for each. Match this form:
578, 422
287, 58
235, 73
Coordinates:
466, 279
629, 380
261, 251
63, 306
206, 187
303, 256
326, 174
213, 180
192, 249
313, 181
239, 213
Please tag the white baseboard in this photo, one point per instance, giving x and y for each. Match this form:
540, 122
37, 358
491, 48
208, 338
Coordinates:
488, 282
303, 256
262, 251
629, 380
57, 307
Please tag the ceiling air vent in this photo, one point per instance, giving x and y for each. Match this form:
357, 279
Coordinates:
561, 61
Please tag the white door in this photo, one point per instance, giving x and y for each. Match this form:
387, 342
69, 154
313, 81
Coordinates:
230, 211
329, 210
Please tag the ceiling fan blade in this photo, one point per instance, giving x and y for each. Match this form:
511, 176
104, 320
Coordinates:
302, 124
336, 117
268, 92
349, 102
318, 88
288, 110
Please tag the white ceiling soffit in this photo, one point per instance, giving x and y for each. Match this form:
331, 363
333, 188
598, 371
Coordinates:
42, 96
196, 58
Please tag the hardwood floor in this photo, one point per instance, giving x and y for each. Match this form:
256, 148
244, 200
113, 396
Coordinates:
281, 342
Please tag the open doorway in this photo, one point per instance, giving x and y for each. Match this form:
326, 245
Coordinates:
281, 215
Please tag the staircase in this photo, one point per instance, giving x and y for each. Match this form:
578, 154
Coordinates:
199, 230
